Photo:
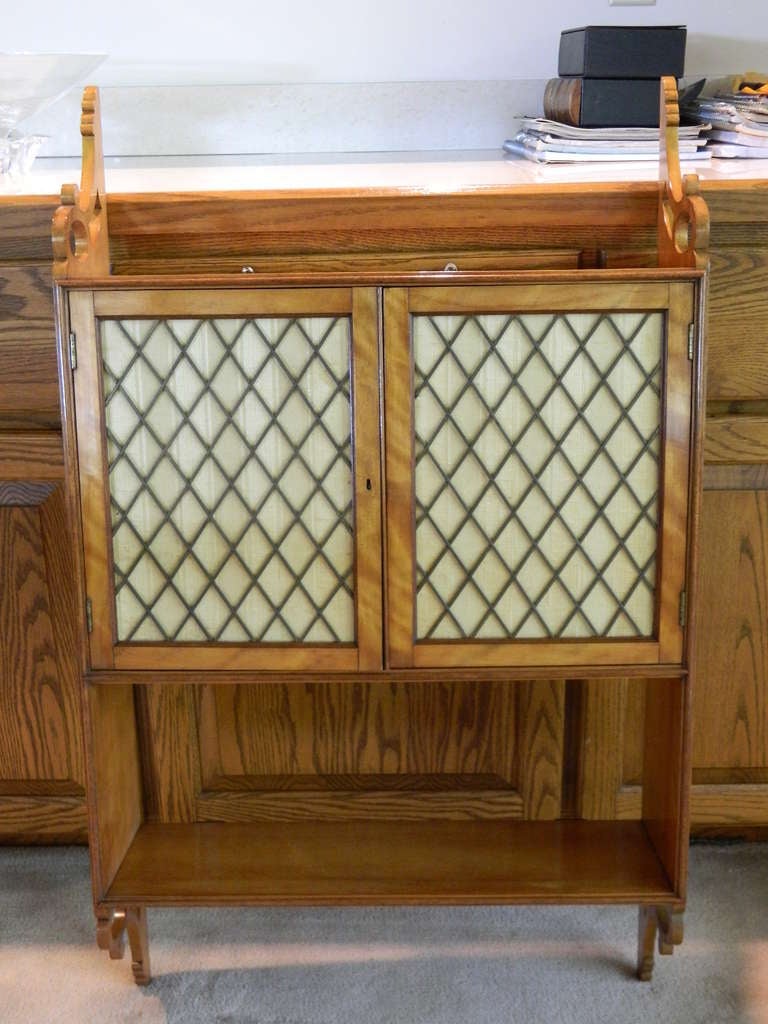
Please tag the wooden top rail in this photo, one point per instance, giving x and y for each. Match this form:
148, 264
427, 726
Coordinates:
206, 233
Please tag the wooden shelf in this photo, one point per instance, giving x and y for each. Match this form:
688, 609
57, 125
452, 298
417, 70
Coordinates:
388, 862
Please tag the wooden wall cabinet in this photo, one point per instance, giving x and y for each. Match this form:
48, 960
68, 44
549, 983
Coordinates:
349, 542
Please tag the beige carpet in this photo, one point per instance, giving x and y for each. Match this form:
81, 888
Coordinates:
488, 965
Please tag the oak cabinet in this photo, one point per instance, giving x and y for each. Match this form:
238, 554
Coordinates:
367, 552
213, 759
381, 528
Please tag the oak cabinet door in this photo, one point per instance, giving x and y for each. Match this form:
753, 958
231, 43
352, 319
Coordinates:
537, 465
229, 477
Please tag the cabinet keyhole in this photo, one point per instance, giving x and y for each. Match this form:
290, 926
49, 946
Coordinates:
368, 485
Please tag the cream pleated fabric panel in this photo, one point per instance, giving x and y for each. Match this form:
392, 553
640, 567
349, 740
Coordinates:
230, 478
537, 474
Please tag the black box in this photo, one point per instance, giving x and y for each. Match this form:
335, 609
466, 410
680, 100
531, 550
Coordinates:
622, 51
603, 102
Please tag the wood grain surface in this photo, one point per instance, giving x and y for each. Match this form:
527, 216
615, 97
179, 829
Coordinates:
730, 726
285, 752
541, 718
29, 390
42, 797
247, 225
28, 456
153, 233
391, 862
738, 323
115, 803
736, 439
43, 820
39, 717
25, 228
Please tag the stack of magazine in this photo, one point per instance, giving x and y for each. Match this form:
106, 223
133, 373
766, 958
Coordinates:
549, 142
739, 124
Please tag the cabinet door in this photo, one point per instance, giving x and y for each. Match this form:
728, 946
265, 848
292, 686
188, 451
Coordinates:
229, 478
537, 464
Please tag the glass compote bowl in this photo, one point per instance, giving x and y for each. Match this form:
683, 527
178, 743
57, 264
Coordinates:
30, 82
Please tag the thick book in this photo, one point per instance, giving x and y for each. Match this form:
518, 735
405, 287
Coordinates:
623, 51
603, 102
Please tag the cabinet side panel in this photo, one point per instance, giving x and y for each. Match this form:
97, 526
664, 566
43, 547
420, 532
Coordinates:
664, 775
114, 782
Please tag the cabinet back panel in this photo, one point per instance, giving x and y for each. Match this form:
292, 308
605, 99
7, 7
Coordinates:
354, 750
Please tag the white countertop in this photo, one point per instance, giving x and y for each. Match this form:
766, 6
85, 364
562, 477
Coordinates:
428, 173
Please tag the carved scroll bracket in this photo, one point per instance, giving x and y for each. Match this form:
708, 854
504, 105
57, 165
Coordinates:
79, 229
683, 215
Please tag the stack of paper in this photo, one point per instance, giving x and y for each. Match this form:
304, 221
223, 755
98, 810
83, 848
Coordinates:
552, 142
739, 124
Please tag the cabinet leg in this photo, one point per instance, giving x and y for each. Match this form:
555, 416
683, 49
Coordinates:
652, 922
138, 937
646, 937
112, 928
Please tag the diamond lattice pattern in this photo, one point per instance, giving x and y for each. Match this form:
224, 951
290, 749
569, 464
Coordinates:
230, 478
537, 474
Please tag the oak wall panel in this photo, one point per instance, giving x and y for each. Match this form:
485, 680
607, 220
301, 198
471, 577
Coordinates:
730, 727
29, 391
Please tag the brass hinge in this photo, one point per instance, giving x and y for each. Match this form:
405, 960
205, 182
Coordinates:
89, 614
682, 616
691, 338
73, 350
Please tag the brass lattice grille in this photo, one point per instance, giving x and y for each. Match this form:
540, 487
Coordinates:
537, 474
230, 478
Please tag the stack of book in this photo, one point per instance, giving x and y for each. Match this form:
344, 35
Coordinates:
609, 74
604, 106
547, 141
739, 121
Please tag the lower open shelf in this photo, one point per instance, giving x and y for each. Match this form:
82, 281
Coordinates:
390, 862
